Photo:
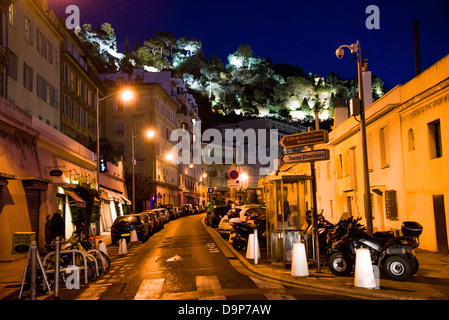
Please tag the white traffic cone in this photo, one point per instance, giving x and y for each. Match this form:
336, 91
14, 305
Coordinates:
122, 248
299, 261
133, 237
251, 247
102, 248
364, 274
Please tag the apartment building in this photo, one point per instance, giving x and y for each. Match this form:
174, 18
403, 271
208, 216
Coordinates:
161, 103
407, 138
33, 73
79, 85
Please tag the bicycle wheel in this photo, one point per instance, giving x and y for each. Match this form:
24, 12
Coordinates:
91, 271
105, 262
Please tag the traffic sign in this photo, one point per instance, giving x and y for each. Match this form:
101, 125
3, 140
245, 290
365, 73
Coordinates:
210, 190
305, 139
307, 156
233, 183
233, 174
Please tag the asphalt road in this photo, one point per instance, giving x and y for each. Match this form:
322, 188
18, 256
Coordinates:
182, 262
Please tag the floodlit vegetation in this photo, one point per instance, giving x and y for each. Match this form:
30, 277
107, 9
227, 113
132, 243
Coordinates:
246, 85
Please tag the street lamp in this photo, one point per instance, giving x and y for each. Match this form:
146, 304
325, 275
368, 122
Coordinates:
125, 95
356, 48
150, 135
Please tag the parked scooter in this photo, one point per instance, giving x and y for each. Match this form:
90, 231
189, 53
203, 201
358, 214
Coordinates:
325, 232
241, 230
393, 254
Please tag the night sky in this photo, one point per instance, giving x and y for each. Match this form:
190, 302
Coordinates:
304, 33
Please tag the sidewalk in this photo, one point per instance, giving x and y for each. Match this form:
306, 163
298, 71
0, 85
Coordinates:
11, 272
431, 282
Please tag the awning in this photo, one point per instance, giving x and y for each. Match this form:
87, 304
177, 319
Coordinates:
126, 200
104, 197
76, 199
117, 197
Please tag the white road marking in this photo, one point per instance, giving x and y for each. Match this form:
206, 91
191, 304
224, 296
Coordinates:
150, 289
209, 283
280, 295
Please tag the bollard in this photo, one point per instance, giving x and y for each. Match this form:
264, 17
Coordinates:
133, 237
33, 269
122, 249
364, 274
102, 247
256, 246
252, 247
299, 261
57, 265
377, 276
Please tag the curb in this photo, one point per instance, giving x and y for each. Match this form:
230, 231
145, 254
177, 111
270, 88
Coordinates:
231, 253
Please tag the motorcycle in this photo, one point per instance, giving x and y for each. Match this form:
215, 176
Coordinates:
325, 232
241, 230
394, 254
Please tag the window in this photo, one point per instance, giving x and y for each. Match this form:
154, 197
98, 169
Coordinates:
28, 31
13, 65
383, 140
44, 46
340, 166
11, 14
46, 91
41, 88
27, 77
66, 74
411, 140
120, 129
436, 147
391, 205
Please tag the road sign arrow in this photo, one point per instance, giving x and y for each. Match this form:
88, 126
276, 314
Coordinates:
175, 258
304, 139
307, 156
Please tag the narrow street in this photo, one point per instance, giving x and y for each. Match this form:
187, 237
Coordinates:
182, 262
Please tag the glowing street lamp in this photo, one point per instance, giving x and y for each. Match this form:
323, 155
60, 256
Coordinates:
126, 95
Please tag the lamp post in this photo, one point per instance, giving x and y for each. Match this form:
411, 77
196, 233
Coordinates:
356, 48
150, 135
126, 95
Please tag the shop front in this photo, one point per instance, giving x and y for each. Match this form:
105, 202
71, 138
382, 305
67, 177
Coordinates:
287, 199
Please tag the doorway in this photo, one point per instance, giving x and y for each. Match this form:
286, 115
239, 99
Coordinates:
440, 223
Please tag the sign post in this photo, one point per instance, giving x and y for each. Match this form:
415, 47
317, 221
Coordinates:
308, 139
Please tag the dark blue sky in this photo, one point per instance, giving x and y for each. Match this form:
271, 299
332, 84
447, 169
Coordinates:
305, 33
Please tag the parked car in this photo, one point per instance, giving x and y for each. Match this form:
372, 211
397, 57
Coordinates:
152, 222
195, 208
169, 208
176, 213
214, 217
159, 222
187, 209
164, 214
243, 213
123, 226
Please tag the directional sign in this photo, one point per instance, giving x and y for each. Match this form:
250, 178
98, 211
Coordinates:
233, 174
305, 139
210, 190
308, 156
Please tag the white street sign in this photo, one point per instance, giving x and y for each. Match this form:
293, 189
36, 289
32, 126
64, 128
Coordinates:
308, 156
